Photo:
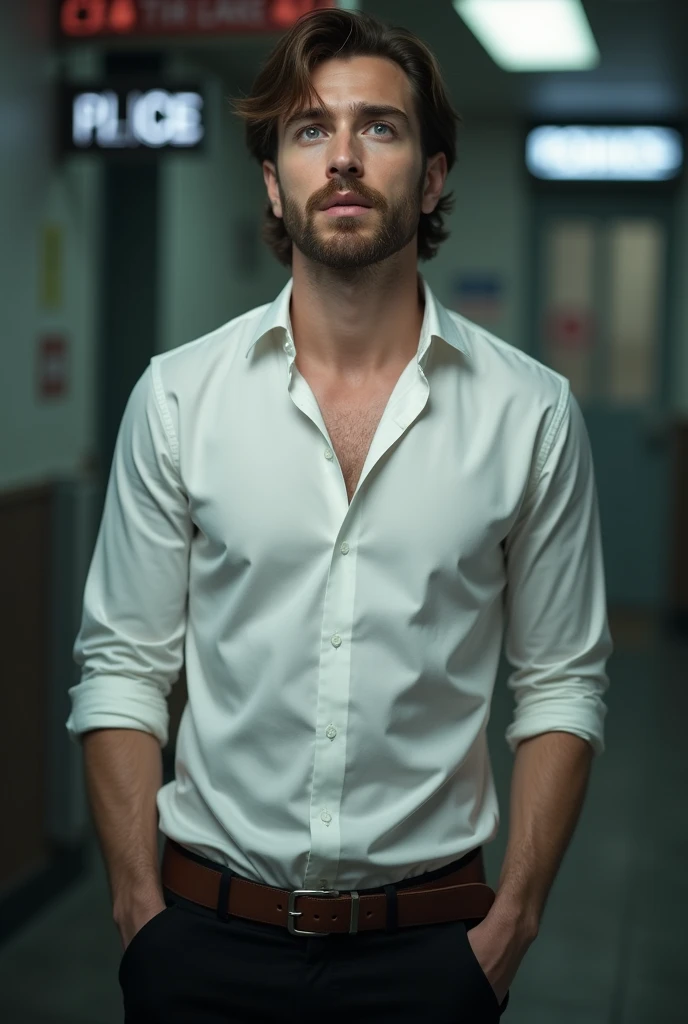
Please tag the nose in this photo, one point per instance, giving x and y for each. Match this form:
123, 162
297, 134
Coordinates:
344, 161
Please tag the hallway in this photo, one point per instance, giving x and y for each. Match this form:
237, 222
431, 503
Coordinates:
612, 945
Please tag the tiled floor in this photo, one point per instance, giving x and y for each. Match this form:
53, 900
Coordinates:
613, 944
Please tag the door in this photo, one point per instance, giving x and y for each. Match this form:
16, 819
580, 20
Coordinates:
601, 313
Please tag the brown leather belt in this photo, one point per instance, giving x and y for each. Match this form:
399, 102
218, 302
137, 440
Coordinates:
459, 896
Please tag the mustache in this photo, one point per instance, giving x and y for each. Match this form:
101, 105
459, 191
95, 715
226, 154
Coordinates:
333, 187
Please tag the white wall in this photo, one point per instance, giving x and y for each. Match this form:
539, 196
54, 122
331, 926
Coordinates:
41, 439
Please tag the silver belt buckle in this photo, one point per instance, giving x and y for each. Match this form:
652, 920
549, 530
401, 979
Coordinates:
319, 892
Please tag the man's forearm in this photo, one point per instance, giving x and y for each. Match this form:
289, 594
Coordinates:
548, 786
123, 775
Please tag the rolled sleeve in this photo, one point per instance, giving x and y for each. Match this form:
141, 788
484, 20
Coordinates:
557, 635
130, 644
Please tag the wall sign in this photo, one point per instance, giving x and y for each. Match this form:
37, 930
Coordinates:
51, 245
569, 328
52, 366
478, 295
86, 19
143, 118
598, 153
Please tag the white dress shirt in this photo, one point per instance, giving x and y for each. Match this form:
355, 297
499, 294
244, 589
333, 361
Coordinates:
340, 658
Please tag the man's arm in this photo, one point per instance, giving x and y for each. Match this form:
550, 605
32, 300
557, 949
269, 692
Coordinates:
123, 769
548, 786
130, 647
558, 641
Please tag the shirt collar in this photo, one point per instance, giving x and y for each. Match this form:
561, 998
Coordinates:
437, 323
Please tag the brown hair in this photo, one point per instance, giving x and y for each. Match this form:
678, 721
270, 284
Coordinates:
283, 85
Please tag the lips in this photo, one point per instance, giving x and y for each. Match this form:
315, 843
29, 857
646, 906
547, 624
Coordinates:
350, 199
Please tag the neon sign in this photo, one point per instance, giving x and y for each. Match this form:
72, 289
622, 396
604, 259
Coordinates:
133, 119
597, 153
87, 19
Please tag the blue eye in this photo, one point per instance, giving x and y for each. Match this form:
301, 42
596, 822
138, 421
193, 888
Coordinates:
314, 128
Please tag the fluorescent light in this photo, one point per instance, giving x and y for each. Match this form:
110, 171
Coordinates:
532, 35
597, 153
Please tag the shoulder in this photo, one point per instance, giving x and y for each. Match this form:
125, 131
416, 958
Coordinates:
525, 403
511, 368
188, 366
511, 378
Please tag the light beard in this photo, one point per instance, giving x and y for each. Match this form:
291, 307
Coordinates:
350, 245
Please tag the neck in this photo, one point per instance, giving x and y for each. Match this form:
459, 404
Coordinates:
356, 324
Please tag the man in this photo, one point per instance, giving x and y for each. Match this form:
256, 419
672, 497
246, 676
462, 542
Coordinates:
343, 500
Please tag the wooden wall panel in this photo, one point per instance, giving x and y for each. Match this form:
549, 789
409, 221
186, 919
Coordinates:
25, 559
678, 598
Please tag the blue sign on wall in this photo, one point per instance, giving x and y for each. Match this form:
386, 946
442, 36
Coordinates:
478, 295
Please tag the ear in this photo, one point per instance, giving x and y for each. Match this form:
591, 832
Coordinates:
435, 177
270, 176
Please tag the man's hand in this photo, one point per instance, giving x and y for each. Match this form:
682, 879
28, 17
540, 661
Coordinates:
499, 949
131, 920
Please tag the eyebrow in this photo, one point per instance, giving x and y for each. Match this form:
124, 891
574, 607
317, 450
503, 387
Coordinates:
357, 109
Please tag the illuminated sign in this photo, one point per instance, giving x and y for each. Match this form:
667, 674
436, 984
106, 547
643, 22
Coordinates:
138, 119
596, 153
86, 19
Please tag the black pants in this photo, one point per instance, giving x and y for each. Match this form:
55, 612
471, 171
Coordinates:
186, 966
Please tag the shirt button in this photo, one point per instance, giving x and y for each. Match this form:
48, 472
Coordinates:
326, 817
336, 641
330, 732
288, 347
328, 454
344, 548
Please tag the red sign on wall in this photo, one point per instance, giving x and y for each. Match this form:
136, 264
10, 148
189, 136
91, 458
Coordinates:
570, 328
88, 19
52, 370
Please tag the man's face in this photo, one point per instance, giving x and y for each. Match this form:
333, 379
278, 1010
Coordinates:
373, 153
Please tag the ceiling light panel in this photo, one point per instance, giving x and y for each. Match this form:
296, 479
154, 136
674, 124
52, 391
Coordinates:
532, 35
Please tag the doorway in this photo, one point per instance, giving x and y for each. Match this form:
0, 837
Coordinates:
600, 310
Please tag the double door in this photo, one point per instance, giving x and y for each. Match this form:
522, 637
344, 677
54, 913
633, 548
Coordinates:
601, 312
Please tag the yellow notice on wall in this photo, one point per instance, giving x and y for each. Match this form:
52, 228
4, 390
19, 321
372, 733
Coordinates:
51, 267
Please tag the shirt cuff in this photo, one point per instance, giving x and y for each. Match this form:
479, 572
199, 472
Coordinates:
588, 723
115, 702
